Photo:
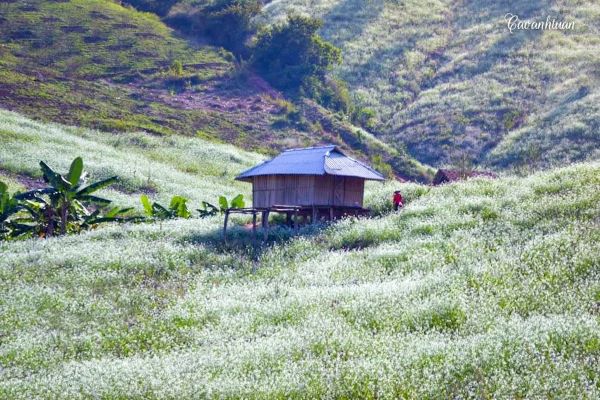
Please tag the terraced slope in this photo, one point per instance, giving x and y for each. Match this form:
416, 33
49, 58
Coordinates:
448, 78
477, 289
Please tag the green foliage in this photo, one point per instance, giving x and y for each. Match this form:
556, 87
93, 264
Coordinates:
176, 68
229, 23
226, 23
289, 54
177, 208
329, 92
380, 165
236, 202
160, 7
9, 207
223, 203
365, 117
60, 208
207, 210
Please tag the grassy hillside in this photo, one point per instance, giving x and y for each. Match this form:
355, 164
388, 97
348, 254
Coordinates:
154, 165
448, 77
101, 65
480, 289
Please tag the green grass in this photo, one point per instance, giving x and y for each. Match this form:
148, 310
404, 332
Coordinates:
448, 77
481, 289
104, 66
156, 165
101, 65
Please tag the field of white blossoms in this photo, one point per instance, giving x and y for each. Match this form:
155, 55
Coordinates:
482, 289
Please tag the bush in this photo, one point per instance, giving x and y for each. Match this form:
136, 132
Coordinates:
291, 55
365, 117
384, 168
176, 68
160, 7
226, 23
330, 93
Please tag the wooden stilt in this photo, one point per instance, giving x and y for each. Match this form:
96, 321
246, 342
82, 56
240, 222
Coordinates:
254, 225
266, 224
288, 218
296, 221
225, 225
330, 213
315, 214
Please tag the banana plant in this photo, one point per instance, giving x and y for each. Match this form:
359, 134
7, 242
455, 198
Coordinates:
207, 210
62, 207
177, 208
236, 202
9, 207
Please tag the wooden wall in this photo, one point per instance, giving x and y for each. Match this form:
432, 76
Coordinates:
307, 190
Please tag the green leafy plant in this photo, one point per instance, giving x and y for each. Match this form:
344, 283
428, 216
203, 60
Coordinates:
207, 210
236, 202
177, 208
66, 205
9, 208
288, 55
176, 68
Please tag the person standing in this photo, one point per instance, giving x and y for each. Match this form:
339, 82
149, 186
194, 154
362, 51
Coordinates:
398, 200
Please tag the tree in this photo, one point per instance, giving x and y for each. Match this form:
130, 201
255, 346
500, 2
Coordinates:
288, 55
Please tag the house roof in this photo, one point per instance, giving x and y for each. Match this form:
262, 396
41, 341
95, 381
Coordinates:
323, 160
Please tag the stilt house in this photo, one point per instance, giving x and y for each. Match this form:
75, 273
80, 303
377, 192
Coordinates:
311, 183
321, 177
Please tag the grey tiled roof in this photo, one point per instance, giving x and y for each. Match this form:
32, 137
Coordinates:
323, 160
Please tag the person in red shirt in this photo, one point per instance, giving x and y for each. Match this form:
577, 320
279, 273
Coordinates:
398, 200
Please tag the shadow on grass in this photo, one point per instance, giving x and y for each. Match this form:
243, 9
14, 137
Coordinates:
243, 243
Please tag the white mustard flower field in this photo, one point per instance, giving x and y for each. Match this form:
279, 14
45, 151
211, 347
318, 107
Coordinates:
481, 289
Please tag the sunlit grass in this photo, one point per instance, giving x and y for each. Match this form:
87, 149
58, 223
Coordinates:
485, 288
156, 165
448, 78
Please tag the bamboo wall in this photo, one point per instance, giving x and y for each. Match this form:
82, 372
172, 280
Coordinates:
307, 190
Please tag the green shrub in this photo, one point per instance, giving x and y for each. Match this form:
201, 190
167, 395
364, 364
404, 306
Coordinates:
365, 117
329, 92
176, 68
160, 7
226, 23
288, 55
177, 208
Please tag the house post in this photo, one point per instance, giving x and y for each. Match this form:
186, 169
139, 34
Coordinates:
225, 225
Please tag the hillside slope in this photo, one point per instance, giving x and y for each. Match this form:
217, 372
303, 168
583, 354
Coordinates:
486, 288
101, 65
157, 166
448, 78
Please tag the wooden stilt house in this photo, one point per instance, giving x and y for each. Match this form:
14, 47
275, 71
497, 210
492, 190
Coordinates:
314, 176
310, 182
